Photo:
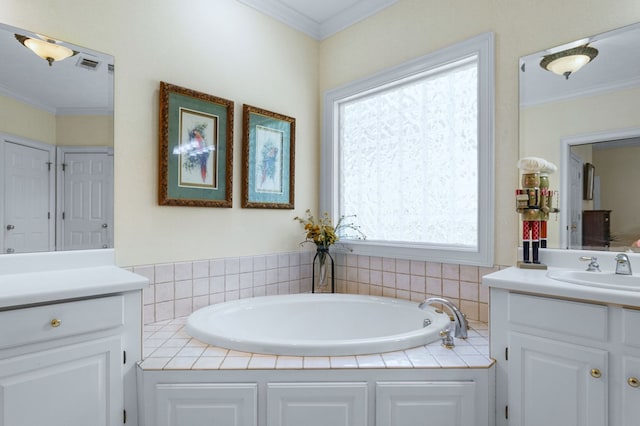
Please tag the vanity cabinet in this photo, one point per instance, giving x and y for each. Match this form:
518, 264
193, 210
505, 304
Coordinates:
70, 363
562, 361
336, 397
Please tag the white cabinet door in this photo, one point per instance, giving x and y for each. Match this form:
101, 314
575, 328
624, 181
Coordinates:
317, 404
553, 383
76, 385
631, 391
426, 403
206, 404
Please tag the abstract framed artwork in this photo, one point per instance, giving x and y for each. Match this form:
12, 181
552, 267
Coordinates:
196, 148
268, 159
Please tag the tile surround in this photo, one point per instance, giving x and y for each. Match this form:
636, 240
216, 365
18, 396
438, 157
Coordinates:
168, 347
177, 289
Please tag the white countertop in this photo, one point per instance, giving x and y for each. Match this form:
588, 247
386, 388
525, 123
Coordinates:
46, 277
537, 282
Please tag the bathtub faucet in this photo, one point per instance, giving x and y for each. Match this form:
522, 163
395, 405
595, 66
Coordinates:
459, 320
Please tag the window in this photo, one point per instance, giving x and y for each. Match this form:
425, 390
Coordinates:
409, 151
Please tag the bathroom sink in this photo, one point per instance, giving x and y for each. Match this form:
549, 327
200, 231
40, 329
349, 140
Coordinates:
597, 279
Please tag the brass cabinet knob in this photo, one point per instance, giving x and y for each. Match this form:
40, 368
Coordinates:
55, 322
633, 382
595, 373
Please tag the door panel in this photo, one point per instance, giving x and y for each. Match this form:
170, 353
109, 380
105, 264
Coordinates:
28, 198
78, 385
426, 403
551, 383
87, 200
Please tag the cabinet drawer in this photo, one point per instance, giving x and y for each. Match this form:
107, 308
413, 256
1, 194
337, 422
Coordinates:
41, 323
559, 316
631, 327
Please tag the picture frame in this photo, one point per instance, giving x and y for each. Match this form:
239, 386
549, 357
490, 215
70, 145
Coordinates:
195, 149
268, 159
587, 192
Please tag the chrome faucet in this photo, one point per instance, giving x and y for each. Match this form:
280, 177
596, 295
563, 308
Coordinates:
623, 265
460, 323
593, 263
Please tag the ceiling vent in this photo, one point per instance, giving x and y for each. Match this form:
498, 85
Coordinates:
88, 64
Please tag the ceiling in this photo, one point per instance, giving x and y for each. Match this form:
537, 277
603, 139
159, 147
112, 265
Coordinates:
65, 88
616, 67
319, 18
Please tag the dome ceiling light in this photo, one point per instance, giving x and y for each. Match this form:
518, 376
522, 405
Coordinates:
568, 61
47, 49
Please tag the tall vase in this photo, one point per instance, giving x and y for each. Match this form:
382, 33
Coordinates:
323, 271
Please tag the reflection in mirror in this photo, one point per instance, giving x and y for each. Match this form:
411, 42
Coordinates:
588, 118
56, 144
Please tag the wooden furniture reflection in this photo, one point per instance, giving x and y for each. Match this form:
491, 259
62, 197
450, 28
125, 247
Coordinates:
596, 229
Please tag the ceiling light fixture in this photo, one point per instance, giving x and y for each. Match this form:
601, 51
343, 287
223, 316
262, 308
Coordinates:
47, 49
569, 61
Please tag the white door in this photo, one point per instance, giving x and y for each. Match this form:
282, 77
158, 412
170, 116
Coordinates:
28, 197
575, 202
553, 383
86, 200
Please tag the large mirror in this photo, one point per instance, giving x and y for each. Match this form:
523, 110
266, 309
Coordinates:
587, 123
56, 144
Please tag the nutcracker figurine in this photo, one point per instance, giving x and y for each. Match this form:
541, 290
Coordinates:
534, 203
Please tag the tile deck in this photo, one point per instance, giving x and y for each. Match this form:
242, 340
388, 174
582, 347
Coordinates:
167, 346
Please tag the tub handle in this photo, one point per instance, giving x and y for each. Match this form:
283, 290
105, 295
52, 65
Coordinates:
447, 339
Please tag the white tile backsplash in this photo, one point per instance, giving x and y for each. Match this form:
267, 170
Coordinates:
177, 289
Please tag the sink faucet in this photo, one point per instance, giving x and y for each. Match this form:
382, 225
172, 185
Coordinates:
623, 265
593, 263
460, 323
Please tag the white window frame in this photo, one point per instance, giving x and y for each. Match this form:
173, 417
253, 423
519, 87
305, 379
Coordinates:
482, 255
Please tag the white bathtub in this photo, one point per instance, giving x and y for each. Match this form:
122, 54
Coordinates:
316, 324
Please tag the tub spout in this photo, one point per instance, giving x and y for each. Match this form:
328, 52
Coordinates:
459, 320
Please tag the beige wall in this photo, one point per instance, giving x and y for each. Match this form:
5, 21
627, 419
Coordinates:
87, 130
20, 119
416, 27
619, 179
218, 47
226, 49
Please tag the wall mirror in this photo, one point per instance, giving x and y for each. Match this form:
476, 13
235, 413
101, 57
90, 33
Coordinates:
56, 145
588, 121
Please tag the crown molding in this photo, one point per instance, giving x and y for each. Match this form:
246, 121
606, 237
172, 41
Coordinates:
319, 30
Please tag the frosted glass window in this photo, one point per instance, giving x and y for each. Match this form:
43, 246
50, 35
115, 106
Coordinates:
409, 159
409, 152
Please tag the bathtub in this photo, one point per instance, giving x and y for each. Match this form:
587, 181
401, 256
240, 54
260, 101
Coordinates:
316, 324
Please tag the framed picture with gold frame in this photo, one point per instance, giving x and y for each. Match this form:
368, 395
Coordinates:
196, 148
268, 159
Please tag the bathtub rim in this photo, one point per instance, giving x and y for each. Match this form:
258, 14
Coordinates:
311, 347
